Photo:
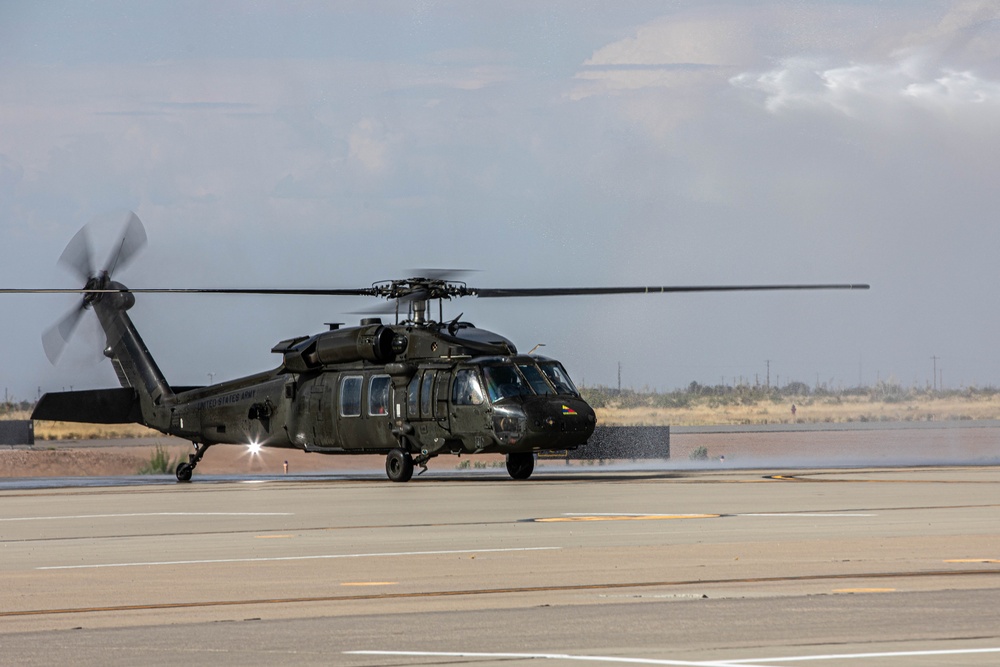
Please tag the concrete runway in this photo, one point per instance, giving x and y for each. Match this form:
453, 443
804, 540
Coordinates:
846, 567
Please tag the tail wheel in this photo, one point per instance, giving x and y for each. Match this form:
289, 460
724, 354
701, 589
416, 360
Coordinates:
399, 466
520, 465
184, 471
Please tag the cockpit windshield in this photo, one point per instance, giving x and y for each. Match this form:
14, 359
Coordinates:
526, 378
535, 379
559, 378
503, 381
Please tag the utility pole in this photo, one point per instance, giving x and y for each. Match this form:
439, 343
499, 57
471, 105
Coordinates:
768, 362
619, 377
935, 358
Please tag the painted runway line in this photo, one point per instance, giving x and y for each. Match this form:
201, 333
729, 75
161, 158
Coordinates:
739, 662
277, 559
758, 662
622, 517
630, 516
539, 656
807, 514
140, 514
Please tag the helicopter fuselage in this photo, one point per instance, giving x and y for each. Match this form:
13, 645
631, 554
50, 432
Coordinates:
431, 407
411, 391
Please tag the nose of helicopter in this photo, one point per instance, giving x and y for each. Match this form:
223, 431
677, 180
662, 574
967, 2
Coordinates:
557, 423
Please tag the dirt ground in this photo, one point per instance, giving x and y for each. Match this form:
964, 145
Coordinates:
958, 445
52, 459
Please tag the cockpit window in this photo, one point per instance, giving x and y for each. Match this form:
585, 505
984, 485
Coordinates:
503, 381
467, 389
535, 379
559, 378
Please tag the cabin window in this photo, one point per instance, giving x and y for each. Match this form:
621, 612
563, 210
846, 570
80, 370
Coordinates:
350, 396
427, 393
467, 389
413, 396
378, 395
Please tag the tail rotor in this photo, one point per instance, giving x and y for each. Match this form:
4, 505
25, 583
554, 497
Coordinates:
78, 259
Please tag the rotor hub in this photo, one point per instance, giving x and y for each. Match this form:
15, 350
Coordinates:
416, 292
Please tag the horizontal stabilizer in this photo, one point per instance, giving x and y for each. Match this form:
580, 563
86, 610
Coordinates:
94, 406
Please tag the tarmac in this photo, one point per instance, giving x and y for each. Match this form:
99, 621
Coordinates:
620, 564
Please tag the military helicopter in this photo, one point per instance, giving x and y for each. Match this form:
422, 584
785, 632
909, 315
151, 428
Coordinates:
412, 390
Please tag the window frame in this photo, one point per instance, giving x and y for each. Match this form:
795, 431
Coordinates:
342, 394
387, 405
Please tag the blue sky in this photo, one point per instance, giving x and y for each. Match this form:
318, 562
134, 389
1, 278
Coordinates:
313, 144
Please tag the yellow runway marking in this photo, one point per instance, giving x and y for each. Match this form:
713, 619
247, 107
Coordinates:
624, 517
864, 590
973, 560
370, 583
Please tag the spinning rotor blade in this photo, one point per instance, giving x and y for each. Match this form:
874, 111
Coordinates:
366, 291
79, 259
77, 256
279, 291
55, 337
485, 293
440, 274
132, 240
574, 291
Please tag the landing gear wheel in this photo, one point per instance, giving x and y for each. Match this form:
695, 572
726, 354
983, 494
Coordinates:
399, 466
184, 471
520, 465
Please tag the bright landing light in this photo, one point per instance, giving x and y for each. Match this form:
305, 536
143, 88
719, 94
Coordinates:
254, 447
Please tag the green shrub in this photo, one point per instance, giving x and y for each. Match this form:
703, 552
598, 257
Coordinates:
160, 463
699, 454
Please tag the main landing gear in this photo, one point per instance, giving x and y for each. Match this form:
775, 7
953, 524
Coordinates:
399, 464
520, 465
184, 470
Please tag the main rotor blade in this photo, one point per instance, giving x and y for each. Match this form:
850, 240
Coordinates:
55, 337
132, 240
575, 291
77, 256
485, 293
366, 291
290, 291
440, 274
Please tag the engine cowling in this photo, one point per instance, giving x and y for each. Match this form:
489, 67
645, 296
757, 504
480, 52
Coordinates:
375, 343
372, 343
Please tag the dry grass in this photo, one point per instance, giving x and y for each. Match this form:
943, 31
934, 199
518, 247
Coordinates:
808, 410
46, 430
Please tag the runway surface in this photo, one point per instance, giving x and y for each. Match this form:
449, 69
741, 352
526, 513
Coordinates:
728, 567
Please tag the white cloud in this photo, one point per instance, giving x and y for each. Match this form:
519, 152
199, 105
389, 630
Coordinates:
854, 88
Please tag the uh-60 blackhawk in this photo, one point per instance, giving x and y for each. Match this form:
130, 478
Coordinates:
411, 390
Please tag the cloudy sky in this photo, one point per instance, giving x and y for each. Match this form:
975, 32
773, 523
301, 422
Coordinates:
573, 143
